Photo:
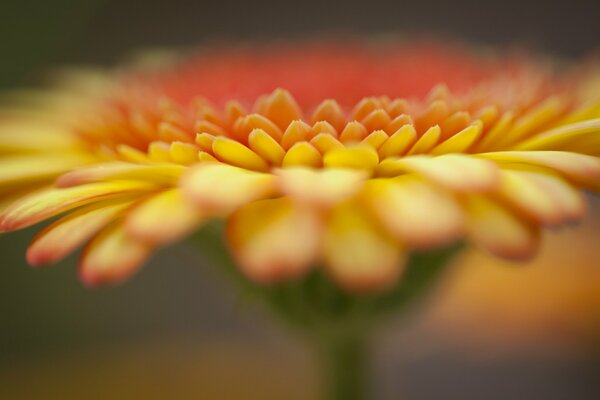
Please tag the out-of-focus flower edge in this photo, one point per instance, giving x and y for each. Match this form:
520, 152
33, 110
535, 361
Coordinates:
133, 161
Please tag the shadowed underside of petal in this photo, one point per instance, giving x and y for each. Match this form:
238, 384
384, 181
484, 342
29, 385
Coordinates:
414, 211
112, 256
275, 239
547, 198
497, 230
163, 218
358, 255
64, 236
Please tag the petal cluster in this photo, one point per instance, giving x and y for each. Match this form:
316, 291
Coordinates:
132, 164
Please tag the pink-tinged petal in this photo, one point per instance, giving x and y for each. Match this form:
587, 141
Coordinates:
462, 173
579, 167
358, 255
223, 188
495, 229
275, 239
324, 187
165, 173
163, 218
112, 256
415, 211
65, 235
546, 198
44, 204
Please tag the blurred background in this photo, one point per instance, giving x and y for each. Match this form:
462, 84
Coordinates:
494, 330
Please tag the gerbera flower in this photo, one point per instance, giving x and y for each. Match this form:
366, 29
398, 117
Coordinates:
342, 156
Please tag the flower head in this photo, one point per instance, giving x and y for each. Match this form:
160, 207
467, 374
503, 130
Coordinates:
347, 157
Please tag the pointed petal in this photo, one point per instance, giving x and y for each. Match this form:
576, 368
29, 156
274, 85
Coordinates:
274, 239
281, 108
65, 235
48, 203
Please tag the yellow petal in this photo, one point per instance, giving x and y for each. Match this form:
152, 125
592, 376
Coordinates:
274, 239
454, 171
64, 236
112, 256
183, 153
266, 147
399, 142
426, 142
579, 167
375, 139
48, 203
222, 188
358, 255
161, 173
21, 170
302, 154
353, 132
359, 157
163, 218
297, 131
565, 138
497, 230
544, 197
324, 142
460, 142
414, 211
323, 187
237, 154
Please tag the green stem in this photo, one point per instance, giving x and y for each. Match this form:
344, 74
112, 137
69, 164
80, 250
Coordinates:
345, 367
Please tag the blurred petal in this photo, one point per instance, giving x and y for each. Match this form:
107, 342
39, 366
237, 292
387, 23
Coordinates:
65, 235
163, 218
274, 239
221, 187
48, 203
497, 230
414, 211
324, 187
112, 256
358, 255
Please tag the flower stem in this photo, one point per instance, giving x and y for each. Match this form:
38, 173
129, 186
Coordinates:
345, 364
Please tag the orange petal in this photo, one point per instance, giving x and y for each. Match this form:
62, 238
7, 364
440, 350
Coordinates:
64, 236
281, 108
45, 204
274, 239
358, 255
